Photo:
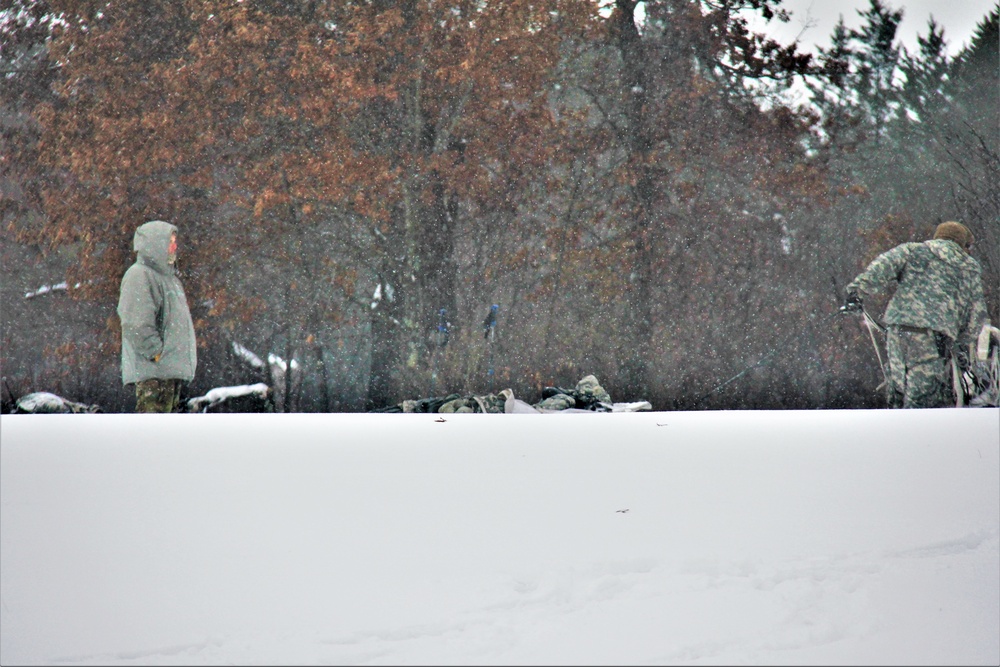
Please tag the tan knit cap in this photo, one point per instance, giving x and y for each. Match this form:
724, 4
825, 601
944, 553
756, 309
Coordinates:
955, 231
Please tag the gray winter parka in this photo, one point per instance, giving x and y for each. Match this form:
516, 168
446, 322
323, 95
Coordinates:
158, 339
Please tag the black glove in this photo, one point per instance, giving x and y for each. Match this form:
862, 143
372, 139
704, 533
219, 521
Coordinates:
961, 360
853, 303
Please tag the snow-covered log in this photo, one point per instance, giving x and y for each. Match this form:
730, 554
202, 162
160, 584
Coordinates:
215, 397
43, 402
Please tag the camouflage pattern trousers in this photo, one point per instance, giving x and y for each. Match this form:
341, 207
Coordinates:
919, 371
157, 395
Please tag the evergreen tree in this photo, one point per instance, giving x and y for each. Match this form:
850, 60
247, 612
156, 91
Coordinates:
970, 148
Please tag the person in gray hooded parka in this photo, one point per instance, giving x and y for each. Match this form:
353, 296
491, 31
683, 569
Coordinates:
158, 341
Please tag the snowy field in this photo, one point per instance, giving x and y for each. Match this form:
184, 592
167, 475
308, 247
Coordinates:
693, 538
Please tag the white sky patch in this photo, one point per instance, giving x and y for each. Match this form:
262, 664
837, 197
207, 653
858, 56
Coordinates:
812, 21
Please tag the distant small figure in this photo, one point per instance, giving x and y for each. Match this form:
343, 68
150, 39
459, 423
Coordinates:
490, 323
938, 308
444, 328
158, 341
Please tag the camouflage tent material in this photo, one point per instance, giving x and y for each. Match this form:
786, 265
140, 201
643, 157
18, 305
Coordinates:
453, 404
490, 403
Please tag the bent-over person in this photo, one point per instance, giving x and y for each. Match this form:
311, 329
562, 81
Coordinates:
938, 306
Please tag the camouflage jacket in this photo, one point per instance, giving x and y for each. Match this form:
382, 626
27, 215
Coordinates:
939, 286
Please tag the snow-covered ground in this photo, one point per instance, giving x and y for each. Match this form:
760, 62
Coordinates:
819, 537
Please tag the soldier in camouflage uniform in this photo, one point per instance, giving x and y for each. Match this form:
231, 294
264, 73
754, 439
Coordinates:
938, 304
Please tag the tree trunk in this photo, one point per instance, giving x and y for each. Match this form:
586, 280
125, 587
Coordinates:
387, 344
438, 275
638, 307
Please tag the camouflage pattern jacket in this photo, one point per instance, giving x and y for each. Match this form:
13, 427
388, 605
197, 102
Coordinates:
939, 287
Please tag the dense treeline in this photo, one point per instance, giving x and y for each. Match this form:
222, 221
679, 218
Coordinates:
638, 198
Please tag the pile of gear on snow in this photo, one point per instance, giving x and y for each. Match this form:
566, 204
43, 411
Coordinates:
587, 396
980, 381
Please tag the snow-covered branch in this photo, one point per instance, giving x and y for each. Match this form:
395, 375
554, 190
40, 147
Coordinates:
246, 355
48, 289
277, 362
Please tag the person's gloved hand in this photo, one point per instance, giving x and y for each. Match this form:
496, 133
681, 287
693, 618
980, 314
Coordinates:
853, 303
962, 360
